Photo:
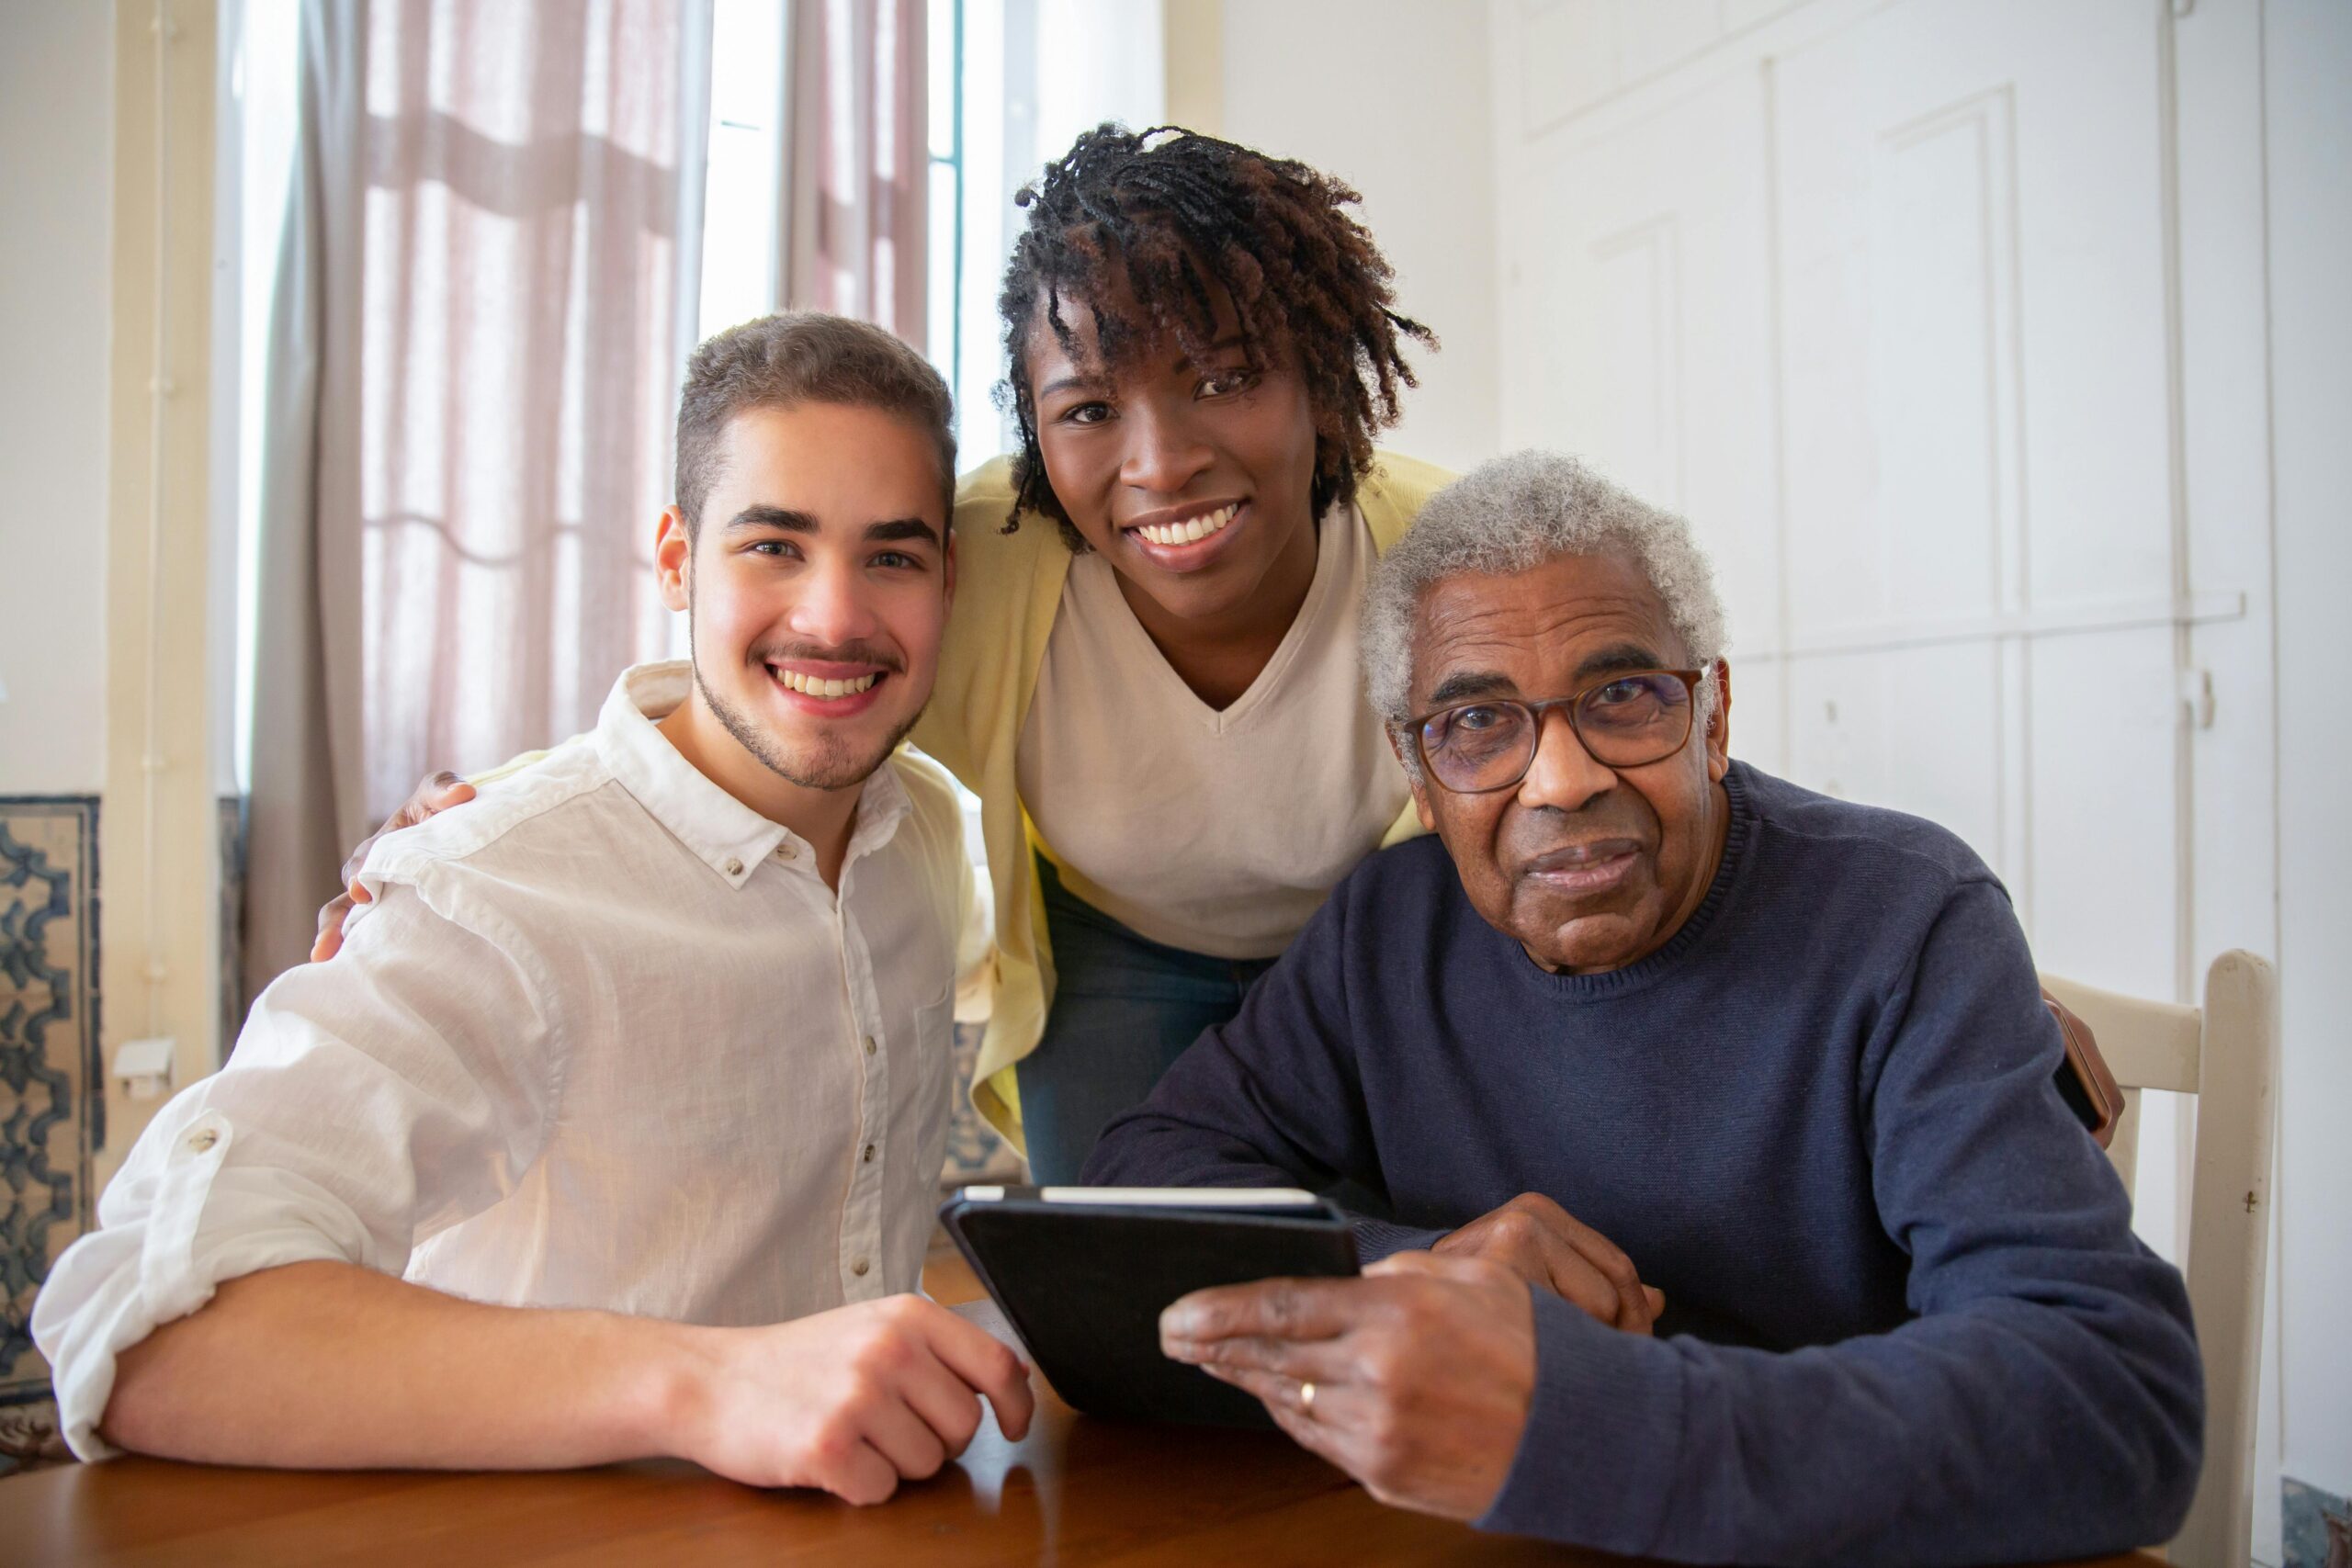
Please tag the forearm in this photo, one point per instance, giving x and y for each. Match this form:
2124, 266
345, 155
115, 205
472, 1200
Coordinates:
332, 1366
2013, 1432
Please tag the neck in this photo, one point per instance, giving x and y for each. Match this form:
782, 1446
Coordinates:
1220, 656
822, 817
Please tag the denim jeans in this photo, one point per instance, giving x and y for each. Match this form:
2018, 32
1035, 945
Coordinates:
1124, 1009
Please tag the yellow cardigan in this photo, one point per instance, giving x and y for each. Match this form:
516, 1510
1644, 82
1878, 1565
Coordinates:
1008, 589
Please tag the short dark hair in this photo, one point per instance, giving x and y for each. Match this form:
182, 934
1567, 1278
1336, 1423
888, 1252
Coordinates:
804, 356
1177, 212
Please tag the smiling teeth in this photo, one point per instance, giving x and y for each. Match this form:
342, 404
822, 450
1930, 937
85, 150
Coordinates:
810, 685
1184, 533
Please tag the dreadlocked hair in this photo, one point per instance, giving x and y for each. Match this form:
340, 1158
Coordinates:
1184, 216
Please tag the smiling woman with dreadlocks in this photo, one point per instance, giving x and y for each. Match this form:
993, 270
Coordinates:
1150, 677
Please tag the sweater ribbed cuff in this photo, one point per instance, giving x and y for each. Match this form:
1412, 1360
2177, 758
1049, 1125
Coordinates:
1604, 1441
1376, 1239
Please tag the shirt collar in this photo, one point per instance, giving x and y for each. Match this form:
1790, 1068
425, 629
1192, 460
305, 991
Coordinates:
724, 833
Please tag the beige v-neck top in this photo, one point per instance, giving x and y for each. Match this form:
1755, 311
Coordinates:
1218, 832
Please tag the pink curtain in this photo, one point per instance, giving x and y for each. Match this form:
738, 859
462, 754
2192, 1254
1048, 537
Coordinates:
531, 243
485, 294
858, 162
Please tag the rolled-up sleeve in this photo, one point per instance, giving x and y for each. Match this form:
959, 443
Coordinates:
370, 1101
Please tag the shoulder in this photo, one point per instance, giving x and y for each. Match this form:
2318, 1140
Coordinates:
934, 811
1408, 885
983, 506
1394, 492
1879, 849
530, 809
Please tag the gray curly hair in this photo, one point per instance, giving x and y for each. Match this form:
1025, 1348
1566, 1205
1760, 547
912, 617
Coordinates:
1515, 513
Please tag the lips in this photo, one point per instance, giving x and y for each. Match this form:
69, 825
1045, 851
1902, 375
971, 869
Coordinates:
832, 691
1189, 529
1185, 538
1588, 868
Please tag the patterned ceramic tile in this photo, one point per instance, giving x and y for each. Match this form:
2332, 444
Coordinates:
2316, 1527
50, 1115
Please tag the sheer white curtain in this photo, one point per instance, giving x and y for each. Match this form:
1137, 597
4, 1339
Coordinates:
484, 300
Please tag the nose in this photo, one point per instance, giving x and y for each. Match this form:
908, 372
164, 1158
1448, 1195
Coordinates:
1163, 452
1564, 774
833, 608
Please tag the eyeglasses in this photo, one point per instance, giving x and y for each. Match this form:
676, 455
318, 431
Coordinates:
1626, 721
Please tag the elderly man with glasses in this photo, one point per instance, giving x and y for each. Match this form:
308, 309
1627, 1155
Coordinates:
1733, 1211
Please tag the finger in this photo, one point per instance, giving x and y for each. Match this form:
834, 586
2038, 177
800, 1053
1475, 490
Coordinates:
901, 1436
1610, 1262
982, 1362
1301, 1361
861, 1475
1330, 1443
328, 942
1580, 1283
1276, 1392
442, 791
1658, 1302
944, 1401
1419, 1262
1273, 1309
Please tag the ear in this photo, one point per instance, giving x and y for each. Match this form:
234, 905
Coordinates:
1719, 726
1420, 788
674, 552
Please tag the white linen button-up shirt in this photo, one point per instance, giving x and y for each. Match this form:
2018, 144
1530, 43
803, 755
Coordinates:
605, 1038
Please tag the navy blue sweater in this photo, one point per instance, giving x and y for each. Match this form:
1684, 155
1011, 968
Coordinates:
1907, 1319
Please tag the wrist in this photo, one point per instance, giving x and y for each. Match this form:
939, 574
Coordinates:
666, 1400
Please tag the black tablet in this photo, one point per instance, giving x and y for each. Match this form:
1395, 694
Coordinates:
1084, 1272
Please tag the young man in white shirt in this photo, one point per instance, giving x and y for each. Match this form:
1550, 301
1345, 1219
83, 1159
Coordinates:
613, 1131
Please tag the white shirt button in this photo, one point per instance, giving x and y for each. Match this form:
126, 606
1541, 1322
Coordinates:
858, 1268
868, 1156
734, 866
869, 1044
205, 1139
785, 851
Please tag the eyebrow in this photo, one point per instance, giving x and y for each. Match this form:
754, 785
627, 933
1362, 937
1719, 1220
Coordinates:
903, 528
1085, 382
752, 517
1464, 684
1616, 657
790, 522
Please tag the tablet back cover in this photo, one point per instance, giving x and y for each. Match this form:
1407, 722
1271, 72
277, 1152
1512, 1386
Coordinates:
1084, 1286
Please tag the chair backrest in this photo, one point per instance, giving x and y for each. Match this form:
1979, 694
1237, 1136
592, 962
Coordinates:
2226, 1053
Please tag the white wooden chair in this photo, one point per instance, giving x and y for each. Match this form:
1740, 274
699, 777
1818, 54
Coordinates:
2225, 1054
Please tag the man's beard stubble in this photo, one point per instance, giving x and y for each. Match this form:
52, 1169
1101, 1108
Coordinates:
832, 766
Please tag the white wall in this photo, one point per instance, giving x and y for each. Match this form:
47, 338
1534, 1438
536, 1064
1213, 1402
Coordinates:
2308, 50
1391, 96
56, 187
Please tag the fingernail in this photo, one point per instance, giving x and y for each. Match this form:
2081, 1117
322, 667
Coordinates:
1178, 1349
1178, 1320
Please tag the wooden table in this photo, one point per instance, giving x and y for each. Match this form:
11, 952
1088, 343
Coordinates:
1074, 1490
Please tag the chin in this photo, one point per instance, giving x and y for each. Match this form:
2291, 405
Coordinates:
1585, 944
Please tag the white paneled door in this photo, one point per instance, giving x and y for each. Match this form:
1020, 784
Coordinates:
1881, 296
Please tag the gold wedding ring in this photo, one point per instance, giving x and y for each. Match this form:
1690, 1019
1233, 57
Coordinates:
1306, 1397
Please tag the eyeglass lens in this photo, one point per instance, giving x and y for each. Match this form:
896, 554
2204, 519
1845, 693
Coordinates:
1624, 723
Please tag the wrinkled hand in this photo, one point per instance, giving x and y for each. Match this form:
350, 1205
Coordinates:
853, 1401
430, 798
1544, 1245
1423, 1370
